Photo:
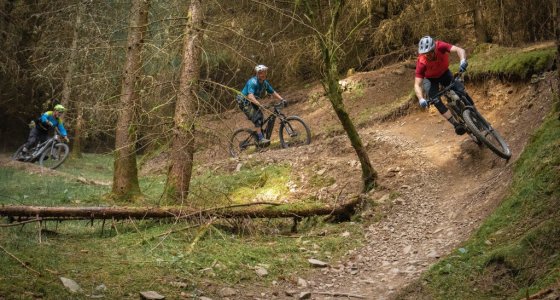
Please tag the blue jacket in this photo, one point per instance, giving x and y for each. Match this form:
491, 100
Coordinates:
253, 86
57, 122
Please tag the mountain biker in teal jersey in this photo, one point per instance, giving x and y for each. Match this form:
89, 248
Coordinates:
432, 69
248, 100
39, 132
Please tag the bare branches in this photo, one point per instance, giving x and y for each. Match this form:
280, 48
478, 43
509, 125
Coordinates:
20, 261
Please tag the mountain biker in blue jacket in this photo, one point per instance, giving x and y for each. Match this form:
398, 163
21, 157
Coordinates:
40, 132
248, 100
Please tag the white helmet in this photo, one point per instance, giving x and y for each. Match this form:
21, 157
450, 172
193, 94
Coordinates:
426, 45
260, 68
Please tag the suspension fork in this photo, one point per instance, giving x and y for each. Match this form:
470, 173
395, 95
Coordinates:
52, 147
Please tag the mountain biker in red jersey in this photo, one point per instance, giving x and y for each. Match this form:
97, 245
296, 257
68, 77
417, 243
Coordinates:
248, 99
39, 132
432, 69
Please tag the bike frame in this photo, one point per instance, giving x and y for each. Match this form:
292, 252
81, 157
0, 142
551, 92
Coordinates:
457, 105
271, 119
43, 146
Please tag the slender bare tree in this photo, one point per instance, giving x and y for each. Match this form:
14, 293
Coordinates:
182, 149
125, 176
329, 45
67, 83
479, 23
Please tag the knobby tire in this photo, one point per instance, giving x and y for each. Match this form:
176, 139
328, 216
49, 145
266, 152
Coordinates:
299, 136
62, 151
476, 123
242, 140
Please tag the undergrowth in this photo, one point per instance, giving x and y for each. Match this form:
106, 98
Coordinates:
509, 63
168, 256
515, 253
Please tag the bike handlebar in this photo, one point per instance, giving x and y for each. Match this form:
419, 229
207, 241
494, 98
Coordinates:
456, 78
276, 106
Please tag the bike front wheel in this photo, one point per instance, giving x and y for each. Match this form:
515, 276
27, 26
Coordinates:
18, 155
53, 157
486, 134
294, 132
242, 141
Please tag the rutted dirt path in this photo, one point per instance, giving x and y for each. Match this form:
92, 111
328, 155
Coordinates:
437, 188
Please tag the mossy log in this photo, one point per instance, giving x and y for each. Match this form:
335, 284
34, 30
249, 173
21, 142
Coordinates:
252, 210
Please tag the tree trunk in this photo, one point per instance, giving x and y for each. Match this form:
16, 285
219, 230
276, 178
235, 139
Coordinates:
557, 11
369, 175
125, 177
67, 84
379, 11
479, 24
78, 129
182, 149
329, 48
250, 210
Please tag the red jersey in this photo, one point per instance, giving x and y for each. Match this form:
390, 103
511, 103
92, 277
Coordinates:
426, 68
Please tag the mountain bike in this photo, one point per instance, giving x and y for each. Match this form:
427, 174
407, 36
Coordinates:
50, 153
293, 132
478, 128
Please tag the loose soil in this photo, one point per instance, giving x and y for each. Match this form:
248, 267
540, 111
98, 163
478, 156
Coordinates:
435, 187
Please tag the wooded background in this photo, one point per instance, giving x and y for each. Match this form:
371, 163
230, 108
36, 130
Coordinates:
75, 51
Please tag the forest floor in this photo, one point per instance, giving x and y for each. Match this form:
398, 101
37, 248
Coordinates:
434, 190
435, 187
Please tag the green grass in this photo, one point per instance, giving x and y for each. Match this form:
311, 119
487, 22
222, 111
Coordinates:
136, 259
511, 63
515, 253
91, 166
132, 256
266, 183
22, 188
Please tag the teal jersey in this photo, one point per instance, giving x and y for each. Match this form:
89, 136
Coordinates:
253, 86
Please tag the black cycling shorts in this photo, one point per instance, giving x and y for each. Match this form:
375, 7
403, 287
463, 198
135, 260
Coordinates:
251, 111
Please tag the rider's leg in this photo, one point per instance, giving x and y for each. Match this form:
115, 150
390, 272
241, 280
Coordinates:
431, 87
32, 139
460, 87
255, 115
258, 122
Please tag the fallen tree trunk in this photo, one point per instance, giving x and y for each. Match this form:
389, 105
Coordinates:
270, 210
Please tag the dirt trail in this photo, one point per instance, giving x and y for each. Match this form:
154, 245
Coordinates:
436, 187
442, 186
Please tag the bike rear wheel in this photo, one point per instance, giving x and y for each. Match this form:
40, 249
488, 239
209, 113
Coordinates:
53, 157
243, 140
486, 134
294, 132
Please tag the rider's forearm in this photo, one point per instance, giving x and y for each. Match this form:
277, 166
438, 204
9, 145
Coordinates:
460, 52
418, 91
253, 100
277, 96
